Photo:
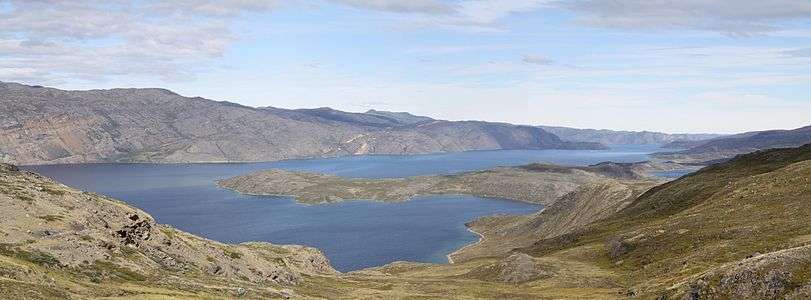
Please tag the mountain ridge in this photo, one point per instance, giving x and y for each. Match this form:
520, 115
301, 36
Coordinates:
616, 137
43, 125
727, 147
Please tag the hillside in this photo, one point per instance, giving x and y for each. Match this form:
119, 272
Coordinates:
733, 230
614, 137
40, 125
57, 242
727, 147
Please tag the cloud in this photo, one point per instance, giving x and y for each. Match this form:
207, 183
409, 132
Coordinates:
401, 6
804, 52
537, 60
68, 39
741, 17
212, 8
464, 15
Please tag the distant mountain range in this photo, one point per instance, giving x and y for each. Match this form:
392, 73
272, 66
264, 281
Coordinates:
726, 147
613, 137
40, 125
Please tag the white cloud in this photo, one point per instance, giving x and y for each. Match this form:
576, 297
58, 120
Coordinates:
802, 52
740, 17
59, 39
463, 15
401, 6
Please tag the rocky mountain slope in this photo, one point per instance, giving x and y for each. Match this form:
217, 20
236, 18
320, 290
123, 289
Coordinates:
57, 242
40, 125
535, 183
614, 137
727, 147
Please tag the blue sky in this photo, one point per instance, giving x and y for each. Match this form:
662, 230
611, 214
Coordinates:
672, 66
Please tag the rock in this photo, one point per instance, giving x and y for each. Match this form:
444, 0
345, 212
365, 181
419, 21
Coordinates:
215, 270
516, 268
135, 233
286, 294
618, 247
8, 168
773, 275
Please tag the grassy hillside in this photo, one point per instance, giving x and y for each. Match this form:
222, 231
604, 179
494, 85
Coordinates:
739, 212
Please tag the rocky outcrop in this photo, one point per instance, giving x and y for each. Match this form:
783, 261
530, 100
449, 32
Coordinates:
516, 268
773, 275
41, 125
8, 168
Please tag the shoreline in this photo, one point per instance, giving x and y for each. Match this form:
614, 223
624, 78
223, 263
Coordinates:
481, 239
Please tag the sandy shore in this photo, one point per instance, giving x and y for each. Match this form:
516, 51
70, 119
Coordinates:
481, 238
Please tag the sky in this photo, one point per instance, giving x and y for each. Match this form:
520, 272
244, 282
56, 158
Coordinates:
690, 66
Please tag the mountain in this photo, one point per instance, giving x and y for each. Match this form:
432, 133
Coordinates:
40, 125
687, 144
727, 147
612, 137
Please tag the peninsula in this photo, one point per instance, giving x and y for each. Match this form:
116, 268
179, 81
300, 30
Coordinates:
534, 183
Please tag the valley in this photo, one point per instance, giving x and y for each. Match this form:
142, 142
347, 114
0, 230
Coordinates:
702, 235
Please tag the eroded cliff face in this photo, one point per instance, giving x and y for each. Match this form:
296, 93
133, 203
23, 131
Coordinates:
96, 243
43, 126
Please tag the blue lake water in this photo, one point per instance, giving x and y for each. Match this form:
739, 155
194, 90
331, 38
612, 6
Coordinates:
353, 234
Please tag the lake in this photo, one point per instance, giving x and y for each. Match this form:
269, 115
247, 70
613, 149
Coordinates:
353, 234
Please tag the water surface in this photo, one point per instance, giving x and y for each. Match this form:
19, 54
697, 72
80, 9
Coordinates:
353, 234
